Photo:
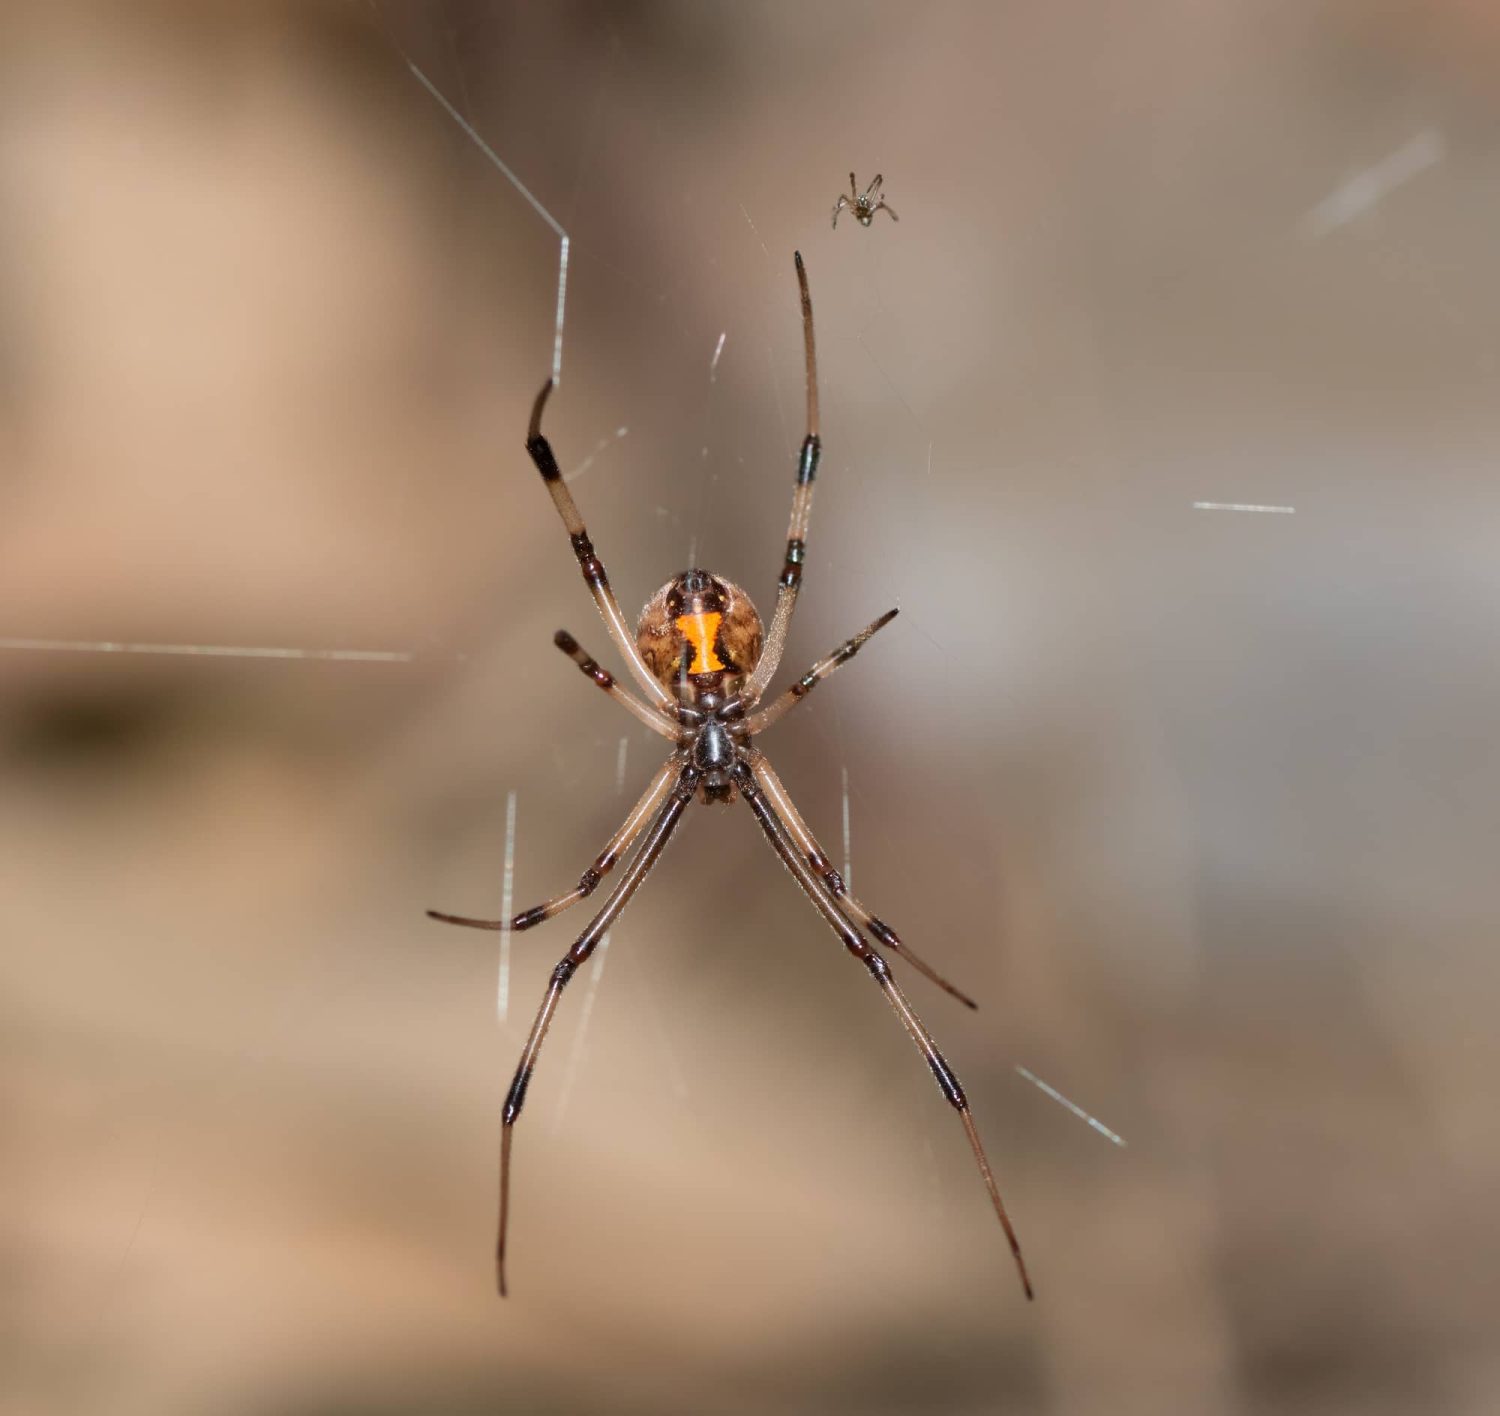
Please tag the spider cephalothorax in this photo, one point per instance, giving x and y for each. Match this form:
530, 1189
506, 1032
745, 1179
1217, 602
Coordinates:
703, 661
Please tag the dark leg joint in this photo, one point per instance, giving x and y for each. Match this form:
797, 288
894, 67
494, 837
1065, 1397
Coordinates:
590, 564
742, 777
541, 454
807, 464
589, 881
947, 1082
535, 915
884, 933
515, 1099
796, 553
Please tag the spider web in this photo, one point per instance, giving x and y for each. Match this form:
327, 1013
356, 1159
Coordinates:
1164, 415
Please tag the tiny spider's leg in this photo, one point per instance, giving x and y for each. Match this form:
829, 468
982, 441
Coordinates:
838, 206
604, 862
759, 722
853, 190
874, 188
817, 857
650, 852
796, 536
589, 563
883, 205
623, 696
829, 908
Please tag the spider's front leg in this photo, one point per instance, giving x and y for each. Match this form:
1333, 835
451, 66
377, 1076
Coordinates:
829, 907
839, 206
662, 826
604, 862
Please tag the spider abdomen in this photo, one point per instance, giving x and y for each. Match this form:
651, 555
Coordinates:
700, 635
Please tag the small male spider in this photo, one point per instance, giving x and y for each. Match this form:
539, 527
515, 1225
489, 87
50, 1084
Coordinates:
700, 655
863, 207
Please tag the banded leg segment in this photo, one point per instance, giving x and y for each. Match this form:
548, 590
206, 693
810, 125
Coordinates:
760, 721
589, 563
656, 840
817, 858
829, 907
802, 497
606, 680
604, 862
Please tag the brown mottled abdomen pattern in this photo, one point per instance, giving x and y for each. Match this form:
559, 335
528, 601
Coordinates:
698, 619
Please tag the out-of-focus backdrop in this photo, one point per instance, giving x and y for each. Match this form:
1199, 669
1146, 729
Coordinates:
1202, 804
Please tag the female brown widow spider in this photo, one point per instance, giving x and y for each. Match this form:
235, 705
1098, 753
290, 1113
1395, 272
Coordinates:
697, 652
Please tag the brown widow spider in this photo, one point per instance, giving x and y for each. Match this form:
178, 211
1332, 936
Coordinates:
863, 207
698, 654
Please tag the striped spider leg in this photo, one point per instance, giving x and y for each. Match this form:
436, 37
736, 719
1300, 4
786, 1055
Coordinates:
705, 661
827, 904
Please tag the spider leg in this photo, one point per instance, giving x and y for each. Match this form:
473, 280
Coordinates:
853, 190
817, 857
874, 186
604, 862
796, 536
583, 548
837, 208
883, 205
623, 696
829, 907
660, 833
759, 722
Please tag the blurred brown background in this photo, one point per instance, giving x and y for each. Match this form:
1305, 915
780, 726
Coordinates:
1203, 805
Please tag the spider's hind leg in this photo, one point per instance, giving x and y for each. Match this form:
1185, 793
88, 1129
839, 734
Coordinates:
657, 721
802, 498
583, 550
784, 703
